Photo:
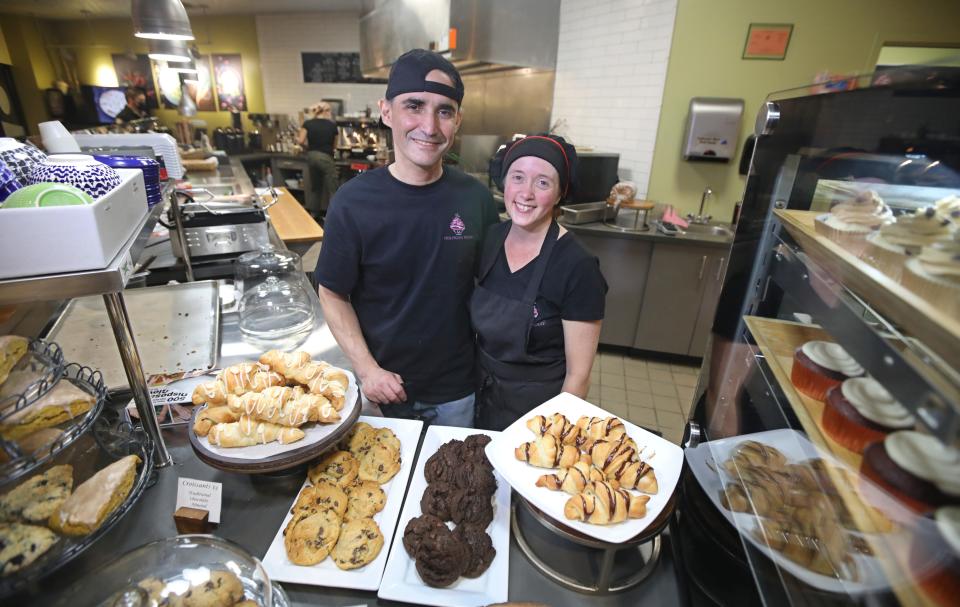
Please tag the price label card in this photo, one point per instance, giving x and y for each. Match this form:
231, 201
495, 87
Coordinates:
205, 495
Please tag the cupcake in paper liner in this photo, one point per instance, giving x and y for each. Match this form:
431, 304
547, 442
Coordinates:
935, 275
850, 221
949, 208
890, 247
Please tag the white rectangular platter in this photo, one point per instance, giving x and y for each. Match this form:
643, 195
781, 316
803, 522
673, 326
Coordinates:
401, 582
665, 458
705, 463
314, 432
367, 577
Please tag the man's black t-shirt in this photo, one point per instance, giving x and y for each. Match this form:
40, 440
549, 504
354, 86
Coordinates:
406, 256
128, 114
321, 134
572, 289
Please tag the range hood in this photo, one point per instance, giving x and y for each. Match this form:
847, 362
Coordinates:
478, 36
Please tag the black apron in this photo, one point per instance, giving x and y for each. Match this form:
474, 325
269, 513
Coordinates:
511, 382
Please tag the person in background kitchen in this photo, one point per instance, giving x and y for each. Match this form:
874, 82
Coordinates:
136, 107
318, 135
401, 242
539, 300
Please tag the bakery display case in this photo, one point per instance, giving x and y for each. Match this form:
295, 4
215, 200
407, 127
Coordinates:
822, 448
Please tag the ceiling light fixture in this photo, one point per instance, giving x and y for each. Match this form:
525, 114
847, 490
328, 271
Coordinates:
161, 20
171, 51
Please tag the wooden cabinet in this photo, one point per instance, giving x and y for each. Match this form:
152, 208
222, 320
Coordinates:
676, 312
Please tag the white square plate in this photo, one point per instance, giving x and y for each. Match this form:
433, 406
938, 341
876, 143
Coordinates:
367, 577
705, 460
314, 432
665, 457
401, 582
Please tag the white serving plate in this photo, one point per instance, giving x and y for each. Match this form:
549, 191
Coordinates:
704, 462
49, 240
401, 582
665, 457
326, 573
314, 432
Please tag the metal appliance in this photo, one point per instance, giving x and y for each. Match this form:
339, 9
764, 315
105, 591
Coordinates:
713, 128
217, 228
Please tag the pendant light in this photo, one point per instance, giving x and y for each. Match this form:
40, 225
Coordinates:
171, 51
161, 20
190, 67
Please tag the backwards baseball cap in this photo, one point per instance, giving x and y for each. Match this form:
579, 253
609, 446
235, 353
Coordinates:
409, 75
552, 148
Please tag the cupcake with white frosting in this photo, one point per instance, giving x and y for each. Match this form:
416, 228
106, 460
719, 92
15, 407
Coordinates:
821, 365
934, 274
917, 469
935, 556
861, 411
949, 208
890, 247
850, 221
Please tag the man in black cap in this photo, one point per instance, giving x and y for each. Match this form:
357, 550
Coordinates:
396, 269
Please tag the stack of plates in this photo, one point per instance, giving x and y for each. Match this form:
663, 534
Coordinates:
151, 173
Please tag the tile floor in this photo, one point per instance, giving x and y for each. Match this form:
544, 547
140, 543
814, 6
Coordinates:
649, 393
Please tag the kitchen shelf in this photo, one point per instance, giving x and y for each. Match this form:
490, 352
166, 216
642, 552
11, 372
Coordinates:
917, 317
777, 340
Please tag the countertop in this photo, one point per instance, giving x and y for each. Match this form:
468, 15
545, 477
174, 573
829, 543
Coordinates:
291, 221
254, 508
693, 238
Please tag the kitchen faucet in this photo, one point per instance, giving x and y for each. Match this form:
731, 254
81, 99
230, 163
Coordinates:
700, 217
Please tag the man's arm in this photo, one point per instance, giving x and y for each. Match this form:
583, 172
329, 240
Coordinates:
580, 339
302, 137
379, 385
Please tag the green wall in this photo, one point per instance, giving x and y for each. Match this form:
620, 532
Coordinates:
839, 36
95, 45
918, 55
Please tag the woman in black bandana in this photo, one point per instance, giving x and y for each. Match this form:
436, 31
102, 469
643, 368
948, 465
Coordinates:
539, 301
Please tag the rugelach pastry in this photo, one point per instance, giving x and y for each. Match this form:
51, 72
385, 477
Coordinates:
860, 411
571, 480
38, 497
601, 503
21, 545
96, 498
12, 349
547, 452
63, 402
558, 425
820, 365
916, 469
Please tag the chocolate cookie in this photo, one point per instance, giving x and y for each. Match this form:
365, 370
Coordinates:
416, 529
438, 470
476, 477
477, 441
441, 558
481, 548
467, 506
435, 500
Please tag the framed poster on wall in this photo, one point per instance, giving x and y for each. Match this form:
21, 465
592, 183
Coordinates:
135, 70
199, 86
228, 74
767, 41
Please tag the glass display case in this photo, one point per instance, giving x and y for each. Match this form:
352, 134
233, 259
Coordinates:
822, 454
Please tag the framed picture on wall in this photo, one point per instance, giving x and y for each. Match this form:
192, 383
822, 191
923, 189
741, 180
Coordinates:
767, 41
228, 74
135, 70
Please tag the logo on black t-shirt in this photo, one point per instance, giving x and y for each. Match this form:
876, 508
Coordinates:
458, 227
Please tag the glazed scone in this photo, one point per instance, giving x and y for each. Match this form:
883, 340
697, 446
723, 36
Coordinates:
37, 498
63, 402
96, 498
32, 443
12, 349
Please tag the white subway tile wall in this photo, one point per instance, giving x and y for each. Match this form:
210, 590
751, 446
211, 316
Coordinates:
611, 68
283, 37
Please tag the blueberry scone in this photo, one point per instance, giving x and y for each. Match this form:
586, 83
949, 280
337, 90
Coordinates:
21, 545
366, 498
38, 497
360, 542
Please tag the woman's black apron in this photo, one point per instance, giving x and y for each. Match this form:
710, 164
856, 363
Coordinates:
511, 382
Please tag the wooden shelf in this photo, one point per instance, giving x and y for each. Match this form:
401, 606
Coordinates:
778, 340
918, 318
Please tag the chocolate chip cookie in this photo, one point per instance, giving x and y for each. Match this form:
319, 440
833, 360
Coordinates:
380, 463
309, 537
340, 467
360, 542
322, 496
365, 498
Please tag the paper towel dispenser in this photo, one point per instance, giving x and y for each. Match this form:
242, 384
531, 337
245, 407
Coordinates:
713, 128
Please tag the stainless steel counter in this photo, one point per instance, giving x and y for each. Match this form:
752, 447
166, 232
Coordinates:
254, 508
692, 237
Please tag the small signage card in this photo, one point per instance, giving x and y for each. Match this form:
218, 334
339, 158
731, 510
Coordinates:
203, 495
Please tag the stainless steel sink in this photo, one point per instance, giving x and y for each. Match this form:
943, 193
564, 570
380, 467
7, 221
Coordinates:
711, 229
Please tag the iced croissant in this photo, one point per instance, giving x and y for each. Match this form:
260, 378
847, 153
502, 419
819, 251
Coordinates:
603, 503
547, 452
247, 432
284, 406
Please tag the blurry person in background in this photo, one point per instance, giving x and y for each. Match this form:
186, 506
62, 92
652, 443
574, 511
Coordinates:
318, 135
136, 107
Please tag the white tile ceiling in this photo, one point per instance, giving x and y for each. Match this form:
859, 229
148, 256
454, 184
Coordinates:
72, 9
